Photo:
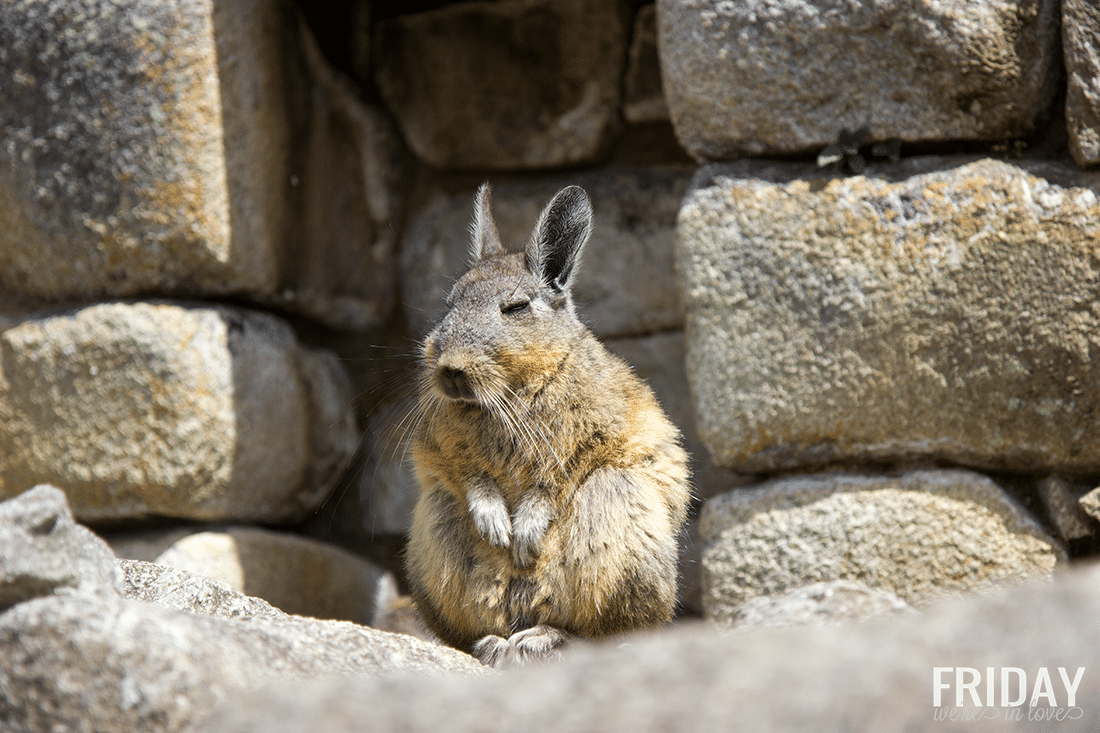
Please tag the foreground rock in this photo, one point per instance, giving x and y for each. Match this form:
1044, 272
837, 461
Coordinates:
79, 656
851, 679
300, 576
905, 314
173, 410
755, 78
921, 536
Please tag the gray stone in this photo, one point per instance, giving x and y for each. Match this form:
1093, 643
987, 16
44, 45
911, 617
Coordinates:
79, 656
760, 77
298, 575
819, 604
937, 309
1090, 503
198, 412
921, 536
43, 551
626, 285
851, 679
177, 589
643, 97
1080, 39
183, 148
1061, 500
513, 84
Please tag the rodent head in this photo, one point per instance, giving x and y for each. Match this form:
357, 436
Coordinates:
510, 323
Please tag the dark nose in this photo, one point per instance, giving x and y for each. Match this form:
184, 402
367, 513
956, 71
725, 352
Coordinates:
455, 384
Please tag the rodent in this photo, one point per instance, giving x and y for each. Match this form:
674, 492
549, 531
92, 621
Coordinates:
552, 485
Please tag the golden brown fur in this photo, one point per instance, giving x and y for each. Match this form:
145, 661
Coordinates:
553, 487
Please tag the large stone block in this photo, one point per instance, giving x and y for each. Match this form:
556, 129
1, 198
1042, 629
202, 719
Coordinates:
1080, 39
139, 409
184, 147
626, 285
939, 309
760, 77
920, 536
514, 84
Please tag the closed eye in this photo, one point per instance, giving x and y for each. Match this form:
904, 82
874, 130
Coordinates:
515, 307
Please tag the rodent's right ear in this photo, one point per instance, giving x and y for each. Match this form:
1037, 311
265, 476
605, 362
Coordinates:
484, 239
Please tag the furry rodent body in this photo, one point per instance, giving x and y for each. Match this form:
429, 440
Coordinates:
553, 487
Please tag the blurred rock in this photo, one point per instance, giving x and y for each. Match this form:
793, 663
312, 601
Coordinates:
507, 85
1080, 39
1061, 500
297, 575
643, 97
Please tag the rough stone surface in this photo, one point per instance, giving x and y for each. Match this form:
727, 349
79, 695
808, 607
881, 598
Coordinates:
300, 576
78, 656
937, 309
852, 679
759, 77
643, 97
1090, 503
626, 284
43, 551
819, 604
1061, 500
1080, 41
921, 536
514, 84
223, 164
163, 409
339, 264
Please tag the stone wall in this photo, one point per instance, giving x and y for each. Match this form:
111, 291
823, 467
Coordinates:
226, 224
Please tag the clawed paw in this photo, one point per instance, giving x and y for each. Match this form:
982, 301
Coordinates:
530, 646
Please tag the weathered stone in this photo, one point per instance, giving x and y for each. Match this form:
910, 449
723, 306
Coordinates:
79, 656
1090, 503
300, 576
1080, 39
183, 148
938, 309
760, 77
858, 678
43, 551
181, 590
161, 409
643, 97
513, 84
339, 263
1061, 500
920, 536
819, 604
659, 360
626, 284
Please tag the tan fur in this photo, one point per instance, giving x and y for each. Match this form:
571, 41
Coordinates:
559, 451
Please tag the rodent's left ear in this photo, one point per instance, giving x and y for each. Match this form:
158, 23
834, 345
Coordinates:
562, 229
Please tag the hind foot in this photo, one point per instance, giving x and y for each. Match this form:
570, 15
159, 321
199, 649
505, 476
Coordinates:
530, 646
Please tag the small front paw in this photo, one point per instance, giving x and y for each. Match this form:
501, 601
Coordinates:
526, 543
491, 519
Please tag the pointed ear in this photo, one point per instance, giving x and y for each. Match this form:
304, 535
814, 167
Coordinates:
484, 239
555, 246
